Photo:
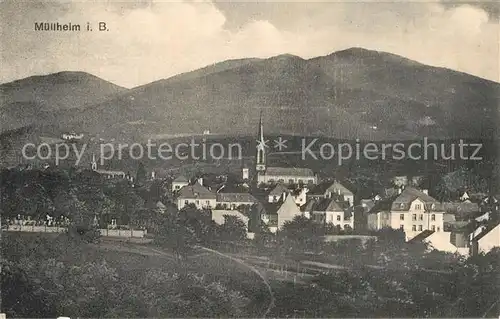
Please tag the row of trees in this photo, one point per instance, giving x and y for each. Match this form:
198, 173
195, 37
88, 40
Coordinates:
43, 278
79, 196
470, 290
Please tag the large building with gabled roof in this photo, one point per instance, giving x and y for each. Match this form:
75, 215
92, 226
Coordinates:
412, 211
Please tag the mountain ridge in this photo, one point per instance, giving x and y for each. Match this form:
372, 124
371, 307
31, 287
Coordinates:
352, 93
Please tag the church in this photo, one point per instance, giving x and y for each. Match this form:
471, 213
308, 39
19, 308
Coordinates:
284, 175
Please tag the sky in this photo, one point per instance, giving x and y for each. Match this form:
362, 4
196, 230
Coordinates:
152, 40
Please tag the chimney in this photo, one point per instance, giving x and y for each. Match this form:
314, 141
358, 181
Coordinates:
200, 181
425, 191
400, 190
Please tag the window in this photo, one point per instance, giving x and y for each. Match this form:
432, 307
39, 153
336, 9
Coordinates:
310, 181
291, 181
421, 217
418, 207
433, 217
301, 182
438, 229
401, 205
207, 203
414, 227
338, 217
401, 216
433, 228
414, 217
177, 187
433, 206
186, 202
197, 202
419, 227
275, 198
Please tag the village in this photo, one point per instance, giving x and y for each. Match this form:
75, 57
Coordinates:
266, 198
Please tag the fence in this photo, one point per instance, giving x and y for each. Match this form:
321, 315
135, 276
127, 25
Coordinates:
104, 232
36, 229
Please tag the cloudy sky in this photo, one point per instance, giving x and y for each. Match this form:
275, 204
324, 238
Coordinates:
151, 40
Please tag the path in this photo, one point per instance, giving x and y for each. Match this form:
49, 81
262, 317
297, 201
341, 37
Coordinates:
254, 270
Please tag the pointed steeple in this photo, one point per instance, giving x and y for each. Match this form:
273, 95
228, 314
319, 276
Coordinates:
261, 128
261, 148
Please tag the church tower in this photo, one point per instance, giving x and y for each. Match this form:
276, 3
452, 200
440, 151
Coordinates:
93, 164
260, 163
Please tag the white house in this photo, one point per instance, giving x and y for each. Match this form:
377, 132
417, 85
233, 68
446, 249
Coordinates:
443, 241
330, 189
234, 200
487, 240
413, 211
198, 195
330, 211
287, 211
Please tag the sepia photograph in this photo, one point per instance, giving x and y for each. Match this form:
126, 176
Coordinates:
249, 159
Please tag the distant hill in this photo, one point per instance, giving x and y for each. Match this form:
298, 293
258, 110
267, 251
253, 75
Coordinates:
44, 99
355, 93
349, 94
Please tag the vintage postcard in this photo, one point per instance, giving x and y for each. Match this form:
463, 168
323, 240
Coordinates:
222, 159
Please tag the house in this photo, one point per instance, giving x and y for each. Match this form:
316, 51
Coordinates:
198, 195
412, 211
332, 189
285, 175
179, 182
234, 200
488, 239
287, 211
330, 211
444, 241
275, 215
72, 136
278, 193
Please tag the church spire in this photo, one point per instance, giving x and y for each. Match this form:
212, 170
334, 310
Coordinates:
260, 163
261, 129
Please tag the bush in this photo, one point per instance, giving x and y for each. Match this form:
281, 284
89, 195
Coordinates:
88, 234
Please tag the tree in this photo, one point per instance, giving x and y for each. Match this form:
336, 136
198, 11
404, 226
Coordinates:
233, 229
141, 174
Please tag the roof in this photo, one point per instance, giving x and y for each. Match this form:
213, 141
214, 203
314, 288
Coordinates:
420, 237
288, 206
236, 197
196, 191
323, 187
409, 194
278, 190
218, 215
367, 204
102, 171
325, 205
486, 231
180, 179
289, 171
